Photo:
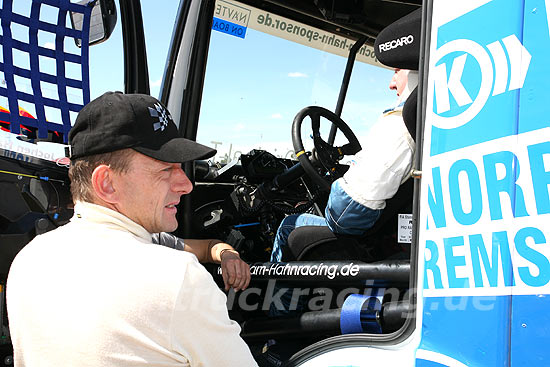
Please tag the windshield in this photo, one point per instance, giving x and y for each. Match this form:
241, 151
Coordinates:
263, 69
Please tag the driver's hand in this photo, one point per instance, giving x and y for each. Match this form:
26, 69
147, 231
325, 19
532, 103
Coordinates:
235, 272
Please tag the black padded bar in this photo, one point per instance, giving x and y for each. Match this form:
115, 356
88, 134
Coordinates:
392, 317
394, 314
309, 323
345, 84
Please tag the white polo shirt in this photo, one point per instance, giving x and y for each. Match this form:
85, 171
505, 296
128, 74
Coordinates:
98, 292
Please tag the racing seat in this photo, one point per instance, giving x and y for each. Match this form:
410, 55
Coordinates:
319, 243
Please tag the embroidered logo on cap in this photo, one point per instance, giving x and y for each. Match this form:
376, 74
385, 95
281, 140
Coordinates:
162, 114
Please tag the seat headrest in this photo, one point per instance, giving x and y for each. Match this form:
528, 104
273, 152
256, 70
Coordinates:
398, 45
409, 113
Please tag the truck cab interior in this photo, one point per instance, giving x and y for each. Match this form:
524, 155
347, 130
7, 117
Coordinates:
262, 81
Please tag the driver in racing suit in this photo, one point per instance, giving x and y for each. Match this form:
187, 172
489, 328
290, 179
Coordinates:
357, 199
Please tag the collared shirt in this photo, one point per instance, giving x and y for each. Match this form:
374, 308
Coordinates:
98, 292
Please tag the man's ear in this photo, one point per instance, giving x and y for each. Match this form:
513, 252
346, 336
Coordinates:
102, 182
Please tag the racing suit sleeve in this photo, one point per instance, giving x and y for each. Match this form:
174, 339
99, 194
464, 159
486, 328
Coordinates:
201, 329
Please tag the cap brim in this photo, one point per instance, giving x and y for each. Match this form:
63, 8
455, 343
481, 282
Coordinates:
179, 150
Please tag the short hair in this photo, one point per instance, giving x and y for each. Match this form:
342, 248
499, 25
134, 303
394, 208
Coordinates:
81, 169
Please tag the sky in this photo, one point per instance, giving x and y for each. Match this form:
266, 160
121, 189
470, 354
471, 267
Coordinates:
243, 106
259, 114
251, 108
106, 59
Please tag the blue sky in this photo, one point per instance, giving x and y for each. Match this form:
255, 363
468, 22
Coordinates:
250, 98
250, 115
257, 97
106, 59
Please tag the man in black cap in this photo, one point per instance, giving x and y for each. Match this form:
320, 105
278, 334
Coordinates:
98, 291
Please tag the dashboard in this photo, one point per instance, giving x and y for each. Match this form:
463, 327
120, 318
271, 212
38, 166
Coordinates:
245, 203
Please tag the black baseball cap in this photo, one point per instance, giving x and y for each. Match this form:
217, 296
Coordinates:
116, 121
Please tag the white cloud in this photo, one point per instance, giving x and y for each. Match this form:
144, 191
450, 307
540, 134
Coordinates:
239, 127
297, 74
50, 45
157, 83
276, 116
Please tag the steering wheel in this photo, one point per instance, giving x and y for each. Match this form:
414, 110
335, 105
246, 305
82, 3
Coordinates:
324, 153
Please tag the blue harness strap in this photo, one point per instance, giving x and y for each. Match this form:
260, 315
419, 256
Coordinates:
35, 75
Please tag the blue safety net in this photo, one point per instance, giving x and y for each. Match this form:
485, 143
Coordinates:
24, 85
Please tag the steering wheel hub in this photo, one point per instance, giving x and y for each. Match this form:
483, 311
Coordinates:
325, 154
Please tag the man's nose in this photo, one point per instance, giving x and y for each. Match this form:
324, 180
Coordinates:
181, 182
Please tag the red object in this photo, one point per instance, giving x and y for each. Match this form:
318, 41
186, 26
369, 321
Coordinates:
22, 112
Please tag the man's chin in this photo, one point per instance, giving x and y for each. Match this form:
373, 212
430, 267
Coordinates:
170, 226
166, 226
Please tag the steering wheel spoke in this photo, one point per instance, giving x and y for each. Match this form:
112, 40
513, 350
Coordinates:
316, 125
326, 154
348, 149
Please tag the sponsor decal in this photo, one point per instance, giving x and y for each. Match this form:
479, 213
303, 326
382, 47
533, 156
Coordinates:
486, 170
404, 228
233, 19
230, 18
494, 81
288, 269
390, 45
487, 209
